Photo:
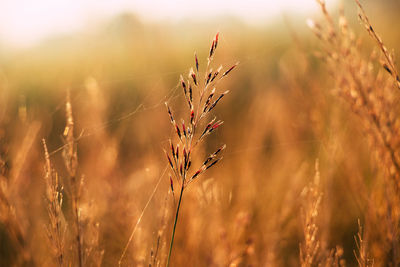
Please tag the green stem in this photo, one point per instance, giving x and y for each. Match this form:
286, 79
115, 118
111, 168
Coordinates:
176, 220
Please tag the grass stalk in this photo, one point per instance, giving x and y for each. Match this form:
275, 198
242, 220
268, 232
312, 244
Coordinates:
78, 231
182, 149
175, 222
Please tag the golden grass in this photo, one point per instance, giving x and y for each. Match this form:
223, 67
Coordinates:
84, 180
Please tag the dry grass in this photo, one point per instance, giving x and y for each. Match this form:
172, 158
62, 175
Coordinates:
84, 180
372, 95
188, 138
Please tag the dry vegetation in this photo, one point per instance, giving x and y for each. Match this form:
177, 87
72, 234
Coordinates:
94, 175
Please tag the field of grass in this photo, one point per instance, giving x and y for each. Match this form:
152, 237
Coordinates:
109, 157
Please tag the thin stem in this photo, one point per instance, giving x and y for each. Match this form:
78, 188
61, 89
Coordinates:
176, 220
78, 228
78, 238
140, 217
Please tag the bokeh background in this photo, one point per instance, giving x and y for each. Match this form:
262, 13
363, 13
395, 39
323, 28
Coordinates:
121, 61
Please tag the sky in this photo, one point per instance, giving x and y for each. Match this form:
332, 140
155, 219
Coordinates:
26, 22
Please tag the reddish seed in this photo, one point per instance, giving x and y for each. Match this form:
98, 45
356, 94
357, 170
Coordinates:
214, 76
229, 70
190, 93
213, 163
216, 101
169, 160
207, 128
192, 116
212, 48
183, 84
170, 113
208, 77
178, 131
183, 128
194, 78
172, 184
208, 160
208, 100
219, 149
197, 173
172, 148
197, 62
185, 156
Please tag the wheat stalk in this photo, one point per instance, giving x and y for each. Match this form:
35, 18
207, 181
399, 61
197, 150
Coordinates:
373, 97
312, 197
54, 198
71, 164
361, 254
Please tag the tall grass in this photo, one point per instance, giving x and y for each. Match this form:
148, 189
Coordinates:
201, 102
372, 95
84, 180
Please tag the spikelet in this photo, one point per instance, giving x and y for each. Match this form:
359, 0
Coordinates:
186, 134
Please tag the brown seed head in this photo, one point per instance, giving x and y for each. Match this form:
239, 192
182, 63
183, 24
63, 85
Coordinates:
196, 62
230, 69
193, 75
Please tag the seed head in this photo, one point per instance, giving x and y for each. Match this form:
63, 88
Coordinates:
196, 62
230, 69
193, 75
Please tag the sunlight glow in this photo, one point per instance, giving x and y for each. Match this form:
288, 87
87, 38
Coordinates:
26, 22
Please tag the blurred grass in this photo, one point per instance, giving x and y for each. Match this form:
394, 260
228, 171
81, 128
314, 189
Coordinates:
279, 117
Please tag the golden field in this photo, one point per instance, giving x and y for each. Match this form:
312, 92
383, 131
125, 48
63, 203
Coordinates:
310, 174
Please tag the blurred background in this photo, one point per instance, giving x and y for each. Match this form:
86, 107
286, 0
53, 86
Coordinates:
121, 61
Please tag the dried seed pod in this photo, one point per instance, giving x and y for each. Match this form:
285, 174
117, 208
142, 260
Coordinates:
213, 155
208, 78
216, 73
215, 126
183, 85
213, 163
220, 149
196, 62
212, 49
177, 152
208, 100
186, 158
198, 172
178, 131
169, 160
230, 69
172, 148
192, 116
214, 45
209, 125
216, 40
172, 184
190, 95
170, 114
184, 128
193, 75
218, 99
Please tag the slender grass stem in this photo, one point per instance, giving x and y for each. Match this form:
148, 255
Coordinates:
176, 220
77, 222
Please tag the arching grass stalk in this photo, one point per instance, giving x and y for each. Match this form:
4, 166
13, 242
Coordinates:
187, 136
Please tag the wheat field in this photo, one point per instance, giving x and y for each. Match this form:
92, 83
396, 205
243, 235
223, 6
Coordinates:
213, 143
